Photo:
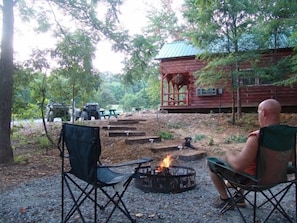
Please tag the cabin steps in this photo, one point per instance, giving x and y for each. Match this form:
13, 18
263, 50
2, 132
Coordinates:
127, 133
143, 140
115, 127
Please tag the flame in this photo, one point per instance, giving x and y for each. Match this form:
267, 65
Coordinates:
165, 163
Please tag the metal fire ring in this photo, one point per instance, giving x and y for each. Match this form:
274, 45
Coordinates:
177, 179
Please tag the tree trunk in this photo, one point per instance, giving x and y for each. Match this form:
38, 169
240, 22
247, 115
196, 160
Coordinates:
233, 96
239, 107
238, 88
6, 81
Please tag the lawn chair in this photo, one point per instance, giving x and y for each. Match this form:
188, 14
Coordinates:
277, 146
82, 174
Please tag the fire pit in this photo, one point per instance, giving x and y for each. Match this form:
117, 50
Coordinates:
166, 179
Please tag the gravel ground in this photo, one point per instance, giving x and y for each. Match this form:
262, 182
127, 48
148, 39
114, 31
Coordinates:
40, 201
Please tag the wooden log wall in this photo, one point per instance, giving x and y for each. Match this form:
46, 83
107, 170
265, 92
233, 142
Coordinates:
250, 95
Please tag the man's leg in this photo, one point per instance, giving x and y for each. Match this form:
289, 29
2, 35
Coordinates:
219, 184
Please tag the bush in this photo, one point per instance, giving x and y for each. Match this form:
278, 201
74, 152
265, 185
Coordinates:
198, 137
166, 135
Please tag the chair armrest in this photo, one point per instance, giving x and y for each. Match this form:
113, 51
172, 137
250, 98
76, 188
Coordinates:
228, 173
128, 163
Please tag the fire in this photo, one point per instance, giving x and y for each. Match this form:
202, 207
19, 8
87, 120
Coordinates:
165, 163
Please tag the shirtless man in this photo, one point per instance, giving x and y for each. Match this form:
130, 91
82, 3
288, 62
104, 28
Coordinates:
268, 114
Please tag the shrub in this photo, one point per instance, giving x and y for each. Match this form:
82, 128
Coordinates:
211, 142
166, 135
198, 137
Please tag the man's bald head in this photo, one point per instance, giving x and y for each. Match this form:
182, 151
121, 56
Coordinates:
269, 112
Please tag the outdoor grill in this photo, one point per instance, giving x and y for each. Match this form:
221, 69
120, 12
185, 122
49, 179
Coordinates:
173, 179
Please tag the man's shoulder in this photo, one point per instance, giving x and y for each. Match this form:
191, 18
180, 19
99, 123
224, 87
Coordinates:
254, 133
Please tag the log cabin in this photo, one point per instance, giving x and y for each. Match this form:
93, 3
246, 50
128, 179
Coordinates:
179, 61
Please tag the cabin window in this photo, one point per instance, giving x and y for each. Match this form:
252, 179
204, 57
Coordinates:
264, 81
256, 81
248, 77
248, 81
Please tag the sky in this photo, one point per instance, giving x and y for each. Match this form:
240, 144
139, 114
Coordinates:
133, 18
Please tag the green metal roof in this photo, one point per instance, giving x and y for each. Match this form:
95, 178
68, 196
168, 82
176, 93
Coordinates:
247, 42
177, 49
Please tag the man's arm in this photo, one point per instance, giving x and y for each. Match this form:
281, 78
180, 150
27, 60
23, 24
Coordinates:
241, 161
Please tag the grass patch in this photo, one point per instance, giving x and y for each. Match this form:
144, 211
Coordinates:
43, 142
20, 139
211, 142
21, 159
198, 137
235, 139
176, 125
166, 135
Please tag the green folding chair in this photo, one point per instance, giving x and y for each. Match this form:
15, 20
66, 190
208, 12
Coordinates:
276, 159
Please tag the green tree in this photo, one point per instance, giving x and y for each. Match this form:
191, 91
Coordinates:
111, 90
21, 94
140, 67
36, 76
74, 55
141, 54
221, 25
85, 15
230, 34
130, 101
153, 92
293, 78
275, 29
27, 94
110, 93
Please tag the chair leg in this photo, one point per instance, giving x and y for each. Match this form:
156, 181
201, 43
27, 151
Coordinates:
88, 192
95, 203
276, 202
233, 201
77, 201
123, 208
255, 207
62, 198
117, 201
295, 200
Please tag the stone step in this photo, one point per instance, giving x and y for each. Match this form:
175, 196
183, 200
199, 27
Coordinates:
127, 133
114, 127
189, 154
135, 119
122, 122
142, 140
164, 148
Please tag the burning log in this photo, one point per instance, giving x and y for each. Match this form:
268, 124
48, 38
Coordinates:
165, 178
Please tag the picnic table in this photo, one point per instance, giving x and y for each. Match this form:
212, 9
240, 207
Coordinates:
112, 112
102, 113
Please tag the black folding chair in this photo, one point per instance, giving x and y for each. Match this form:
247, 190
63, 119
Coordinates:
82, 174
276, 160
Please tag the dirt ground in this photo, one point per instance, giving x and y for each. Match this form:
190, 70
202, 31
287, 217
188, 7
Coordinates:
212, 133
